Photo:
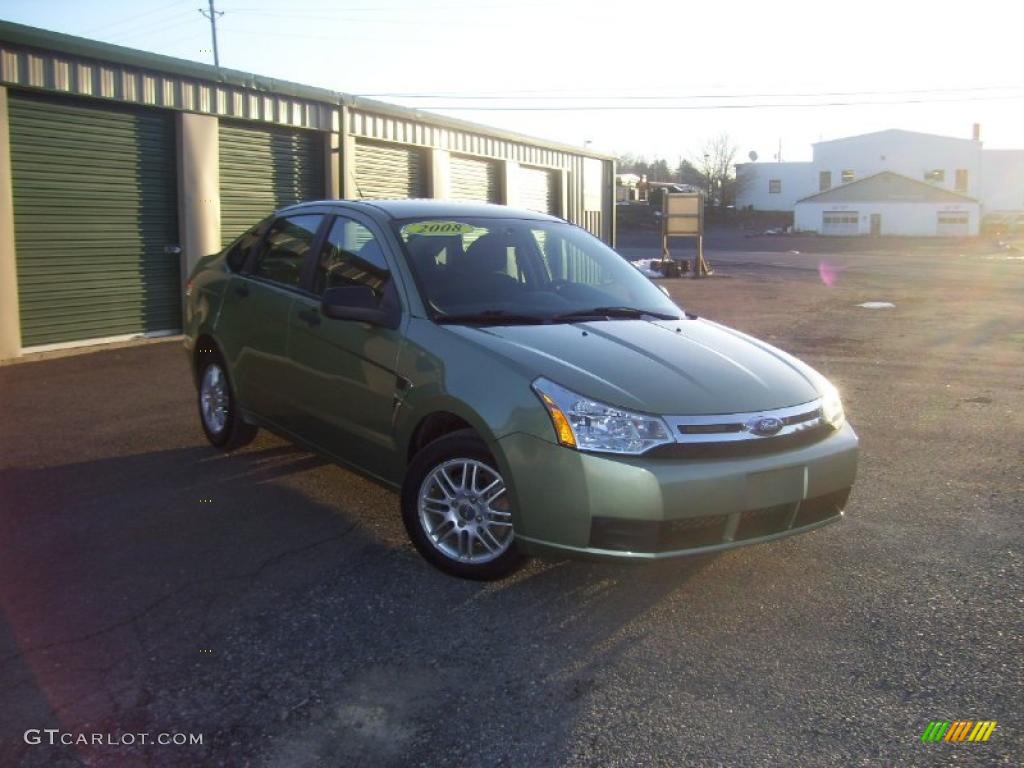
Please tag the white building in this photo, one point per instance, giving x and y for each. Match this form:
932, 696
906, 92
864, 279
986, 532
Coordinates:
773, 186
888, 203
992, 178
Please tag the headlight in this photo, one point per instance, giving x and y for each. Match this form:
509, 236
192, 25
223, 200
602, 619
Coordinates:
588, 425
832, 406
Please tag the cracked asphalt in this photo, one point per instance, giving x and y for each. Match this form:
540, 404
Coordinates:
269, 601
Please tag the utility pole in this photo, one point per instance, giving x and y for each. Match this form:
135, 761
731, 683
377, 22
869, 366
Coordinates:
212, 16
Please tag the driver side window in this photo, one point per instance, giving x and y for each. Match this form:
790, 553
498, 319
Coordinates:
351, 256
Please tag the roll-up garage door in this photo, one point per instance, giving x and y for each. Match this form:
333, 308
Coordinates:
384, 172
474, 180
537, 190
95, 212
263, 169
953, 224
840, 223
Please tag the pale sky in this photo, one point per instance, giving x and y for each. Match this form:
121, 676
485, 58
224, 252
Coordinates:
965, 62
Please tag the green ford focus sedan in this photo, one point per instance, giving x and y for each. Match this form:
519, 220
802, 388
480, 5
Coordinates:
524, 387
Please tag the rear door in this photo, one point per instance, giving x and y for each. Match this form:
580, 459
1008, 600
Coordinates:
345, 371
253, 322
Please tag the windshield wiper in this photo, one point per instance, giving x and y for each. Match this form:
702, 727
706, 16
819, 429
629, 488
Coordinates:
491, 317
614, 312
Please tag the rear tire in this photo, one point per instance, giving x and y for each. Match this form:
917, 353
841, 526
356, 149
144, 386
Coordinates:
218, 410
457, 511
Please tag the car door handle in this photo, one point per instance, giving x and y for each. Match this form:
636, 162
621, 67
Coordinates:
242, 290
310, 316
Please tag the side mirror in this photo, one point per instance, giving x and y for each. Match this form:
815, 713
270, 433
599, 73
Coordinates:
359, 302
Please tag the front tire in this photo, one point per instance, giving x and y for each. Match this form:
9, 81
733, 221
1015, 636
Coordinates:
457, 511
218, 409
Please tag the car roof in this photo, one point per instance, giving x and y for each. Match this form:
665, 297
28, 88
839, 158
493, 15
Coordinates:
417, 208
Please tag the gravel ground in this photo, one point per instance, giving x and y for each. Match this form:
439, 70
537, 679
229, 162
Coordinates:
269, 600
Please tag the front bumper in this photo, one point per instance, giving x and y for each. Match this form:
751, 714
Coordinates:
649, 508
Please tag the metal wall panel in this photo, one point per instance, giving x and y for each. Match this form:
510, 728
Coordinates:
538, 190
263, 169
95, 206
592, 223
475, 180
34, 59
54, 71
390, 171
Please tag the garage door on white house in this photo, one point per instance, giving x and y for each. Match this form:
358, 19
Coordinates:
840, 223
953, 224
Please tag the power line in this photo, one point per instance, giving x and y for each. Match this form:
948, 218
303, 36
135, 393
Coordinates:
93, 30
712, 107
542, 96
169, 22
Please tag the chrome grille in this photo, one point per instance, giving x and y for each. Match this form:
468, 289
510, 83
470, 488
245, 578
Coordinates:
736, 427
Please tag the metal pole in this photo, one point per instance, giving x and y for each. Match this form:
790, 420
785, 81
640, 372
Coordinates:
212, 16
213, 28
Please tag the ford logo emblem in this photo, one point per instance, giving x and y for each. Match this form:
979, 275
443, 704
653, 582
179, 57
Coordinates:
765, 427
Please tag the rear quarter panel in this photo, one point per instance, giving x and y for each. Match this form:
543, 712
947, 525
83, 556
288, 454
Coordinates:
203, 300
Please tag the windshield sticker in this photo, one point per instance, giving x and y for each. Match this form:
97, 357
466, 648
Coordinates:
438, 228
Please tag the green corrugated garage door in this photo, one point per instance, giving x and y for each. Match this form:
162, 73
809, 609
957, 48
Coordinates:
95, 206
474, 180
263, 169
386, 172
537, 190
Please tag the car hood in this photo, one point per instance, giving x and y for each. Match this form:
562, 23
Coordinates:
666, 367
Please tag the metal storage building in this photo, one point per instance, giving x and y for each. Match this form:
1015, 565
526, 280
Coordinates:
120, 168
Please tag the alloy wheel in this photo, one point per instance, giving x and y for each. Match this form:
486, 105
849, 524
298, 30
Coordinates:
464, 511
213, 398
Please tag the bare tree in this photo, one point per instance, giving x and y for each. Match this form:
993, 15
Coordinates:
715, 163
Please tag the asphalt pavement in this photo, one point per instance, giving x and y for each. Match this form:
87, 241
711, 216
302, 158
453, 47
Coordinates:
269, 601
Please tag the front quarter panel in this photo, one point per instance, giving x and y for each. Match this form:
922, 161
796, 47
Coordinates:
447, 373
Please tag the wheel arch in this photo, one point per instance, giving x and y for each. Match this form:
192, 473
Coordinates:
205, 348
434, 425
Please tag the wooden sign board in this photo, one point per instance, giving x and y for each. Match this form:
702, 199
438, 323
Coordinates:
683, 213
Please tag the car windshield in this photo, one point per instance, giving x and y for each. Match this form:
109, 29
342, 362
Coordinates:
518, 270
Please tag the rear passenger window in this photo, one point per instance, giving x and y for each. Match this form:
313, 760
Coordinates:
239, 250
287, 244
351, 256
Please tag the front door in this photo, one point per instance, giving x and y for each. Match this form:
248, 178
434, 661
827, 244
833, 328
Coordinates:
345, 371
253, 324
876, 224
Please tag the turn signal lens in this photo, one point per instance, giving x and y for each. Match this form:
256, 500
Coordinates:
561, 424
